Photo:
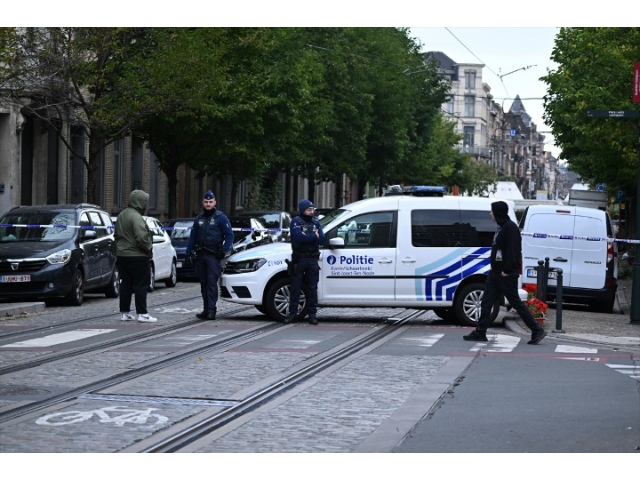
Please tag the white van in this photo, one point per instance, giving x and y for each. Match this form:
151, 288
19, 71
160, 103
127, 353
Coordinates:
394, 251
578, 244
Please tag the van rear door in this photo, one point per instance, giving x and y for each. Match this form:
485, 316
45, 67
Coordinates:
589, 265
558, 250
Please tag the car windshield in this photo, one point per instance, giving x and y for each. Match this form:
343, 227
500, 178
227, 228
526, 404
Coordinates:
42, 226
240, 223
181, 230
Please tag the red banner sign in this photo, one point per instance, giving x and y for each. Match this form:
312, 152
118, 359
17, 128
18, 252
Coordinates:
636, 82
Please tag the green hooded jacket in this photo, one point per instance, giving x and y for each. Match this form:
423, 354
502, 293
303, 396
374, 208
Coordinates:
133, 236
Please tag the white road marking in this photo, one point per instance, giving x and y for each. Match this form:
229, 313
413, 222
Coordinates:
574, 349
498, 343
58, 338
423, 341
632, 370
185, 340
585, 359
295, 344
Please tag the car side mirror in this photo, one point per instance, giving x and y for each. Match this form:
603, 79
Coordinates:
337, 242
89, 234
158, 238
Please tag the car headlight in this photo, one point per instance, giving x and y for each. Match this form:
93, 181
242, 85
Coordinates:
63, 256
246, 266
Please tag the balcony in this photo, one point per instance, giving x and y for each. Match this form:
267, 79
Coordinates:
475, 151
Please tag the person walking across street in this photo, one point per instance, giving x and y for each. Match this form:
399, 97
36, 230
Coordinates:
506, 264
306, 238
210, 241
134, 253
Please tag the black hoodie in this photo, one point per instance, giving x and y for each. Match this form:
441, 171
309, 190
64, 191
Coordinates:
506, 250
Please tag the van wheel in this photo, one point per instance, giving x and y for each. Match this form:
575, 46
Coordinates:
173, 279
76, 295
467, 306
113, 288
276, 300
152, 280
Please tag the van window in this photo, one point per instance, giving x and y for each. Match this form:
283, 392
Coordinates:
371, 230
477, 228
435, 228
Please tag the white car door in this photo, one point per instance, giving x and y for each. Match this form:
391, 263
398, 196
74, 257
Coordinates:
162, 249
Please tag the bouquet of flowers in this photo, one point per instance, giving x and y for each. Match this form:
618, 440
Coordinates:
536, 306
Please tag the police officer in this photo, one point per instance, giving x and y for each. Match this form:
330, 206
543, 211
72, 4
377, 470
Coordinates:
306, 238
210, 240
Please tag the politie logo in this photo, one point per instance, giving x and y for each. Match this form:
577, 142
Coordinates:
331, 259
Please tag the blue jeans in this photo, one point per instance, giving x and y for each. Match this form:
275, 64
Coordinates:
495, 286
209, 269
307, 272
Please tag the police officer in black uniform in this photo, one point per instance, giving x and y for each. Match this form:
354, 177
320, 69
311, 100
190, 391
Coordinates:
210, 241
306, 238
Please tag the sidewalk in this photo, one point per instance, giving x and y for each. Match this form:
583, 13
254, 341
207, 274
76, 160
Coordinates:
579, 324
9, 310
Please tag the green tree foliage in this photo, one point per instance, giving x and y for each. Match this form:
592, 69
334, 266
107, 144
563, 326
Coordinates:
595, 72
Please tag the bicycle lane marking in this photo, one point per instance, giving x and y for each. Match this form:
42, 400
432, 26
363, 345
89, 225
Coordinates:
127, 415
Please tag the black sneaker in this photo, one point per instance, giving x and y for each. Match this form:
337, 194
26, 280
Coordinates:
313, 320
476, 336
536, 338
211, 316
290, 319
202, 315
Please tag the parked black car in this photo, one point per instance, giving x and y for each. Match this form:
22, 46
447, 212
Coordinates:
179, 230
57, 251
248, 233
278, 223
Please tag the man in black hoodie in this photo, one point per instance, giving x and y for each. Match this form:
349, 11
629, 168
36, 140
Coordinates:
506, 263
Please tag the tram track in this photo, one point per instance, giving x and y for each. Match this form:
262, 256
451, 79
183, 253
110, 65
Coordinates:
63, 325
192, 433
105, 345
165, 362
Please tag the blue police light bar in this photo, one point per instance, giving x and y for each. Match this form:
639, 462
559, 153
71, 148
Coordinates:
427, 191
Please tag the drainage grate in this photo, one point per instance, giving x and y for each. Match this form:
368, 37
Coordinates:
174, 401
18, 390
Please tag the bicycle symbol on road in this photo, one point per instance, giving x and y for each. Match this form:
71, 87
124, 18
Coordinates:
127, 415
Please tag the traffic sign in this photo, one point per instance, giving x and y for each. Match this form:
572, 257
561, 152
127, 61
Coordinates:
600, 187
621, 196
613, 113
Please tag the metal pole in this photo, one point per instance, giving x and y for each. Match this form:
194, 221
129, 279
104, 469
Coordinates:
539, 280
558, 328
635, 287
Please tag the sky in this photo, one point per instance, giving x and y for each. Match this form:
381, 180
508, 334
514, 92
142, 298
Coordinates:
521, 55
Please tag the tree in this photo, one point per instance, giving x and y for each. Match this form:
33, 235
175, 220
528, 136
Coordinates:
595, 72
83, 75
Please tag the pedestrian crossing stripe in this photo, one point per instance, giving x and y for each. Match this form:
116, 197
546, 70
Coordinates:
632, 370
58, 338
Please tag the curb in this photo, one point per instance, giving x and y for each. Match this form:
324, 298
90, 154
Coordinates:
17, 309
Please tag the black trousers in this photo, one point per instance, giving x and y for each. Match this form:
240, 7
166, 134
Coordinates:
307, 272
495, 286
134, 276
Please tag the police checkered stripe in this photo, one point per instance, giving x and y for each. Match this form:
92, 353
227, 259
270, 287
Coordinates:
452, 270
578, 237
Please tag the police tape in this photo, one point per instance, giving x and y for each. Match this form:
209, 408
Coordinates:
578, 237
111, 227
273, 230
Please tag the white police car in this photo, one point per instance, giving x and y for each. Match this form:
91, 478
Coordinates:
403, 251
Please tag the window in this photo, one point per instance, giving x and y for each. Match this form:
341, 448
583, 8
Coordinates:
98, 224
371, 230
476, 228
470, 79
434, 228
154, 182
469, 106
448, 106
469, 133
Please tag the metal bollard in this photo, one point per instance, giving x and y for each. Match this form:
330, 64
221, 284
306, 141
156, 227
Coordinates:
540, 280
545, 288
558, 328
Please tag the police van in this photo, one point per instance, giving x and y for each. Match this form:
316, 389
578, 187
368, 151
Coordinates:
407, 251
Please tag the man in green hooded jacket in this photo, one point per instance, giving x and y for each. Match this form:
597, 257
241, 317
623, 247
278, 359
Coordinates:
135, 249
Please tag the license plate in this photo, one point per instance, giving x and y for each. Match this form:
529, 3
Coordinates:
533, 273
178, 264
15, 278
